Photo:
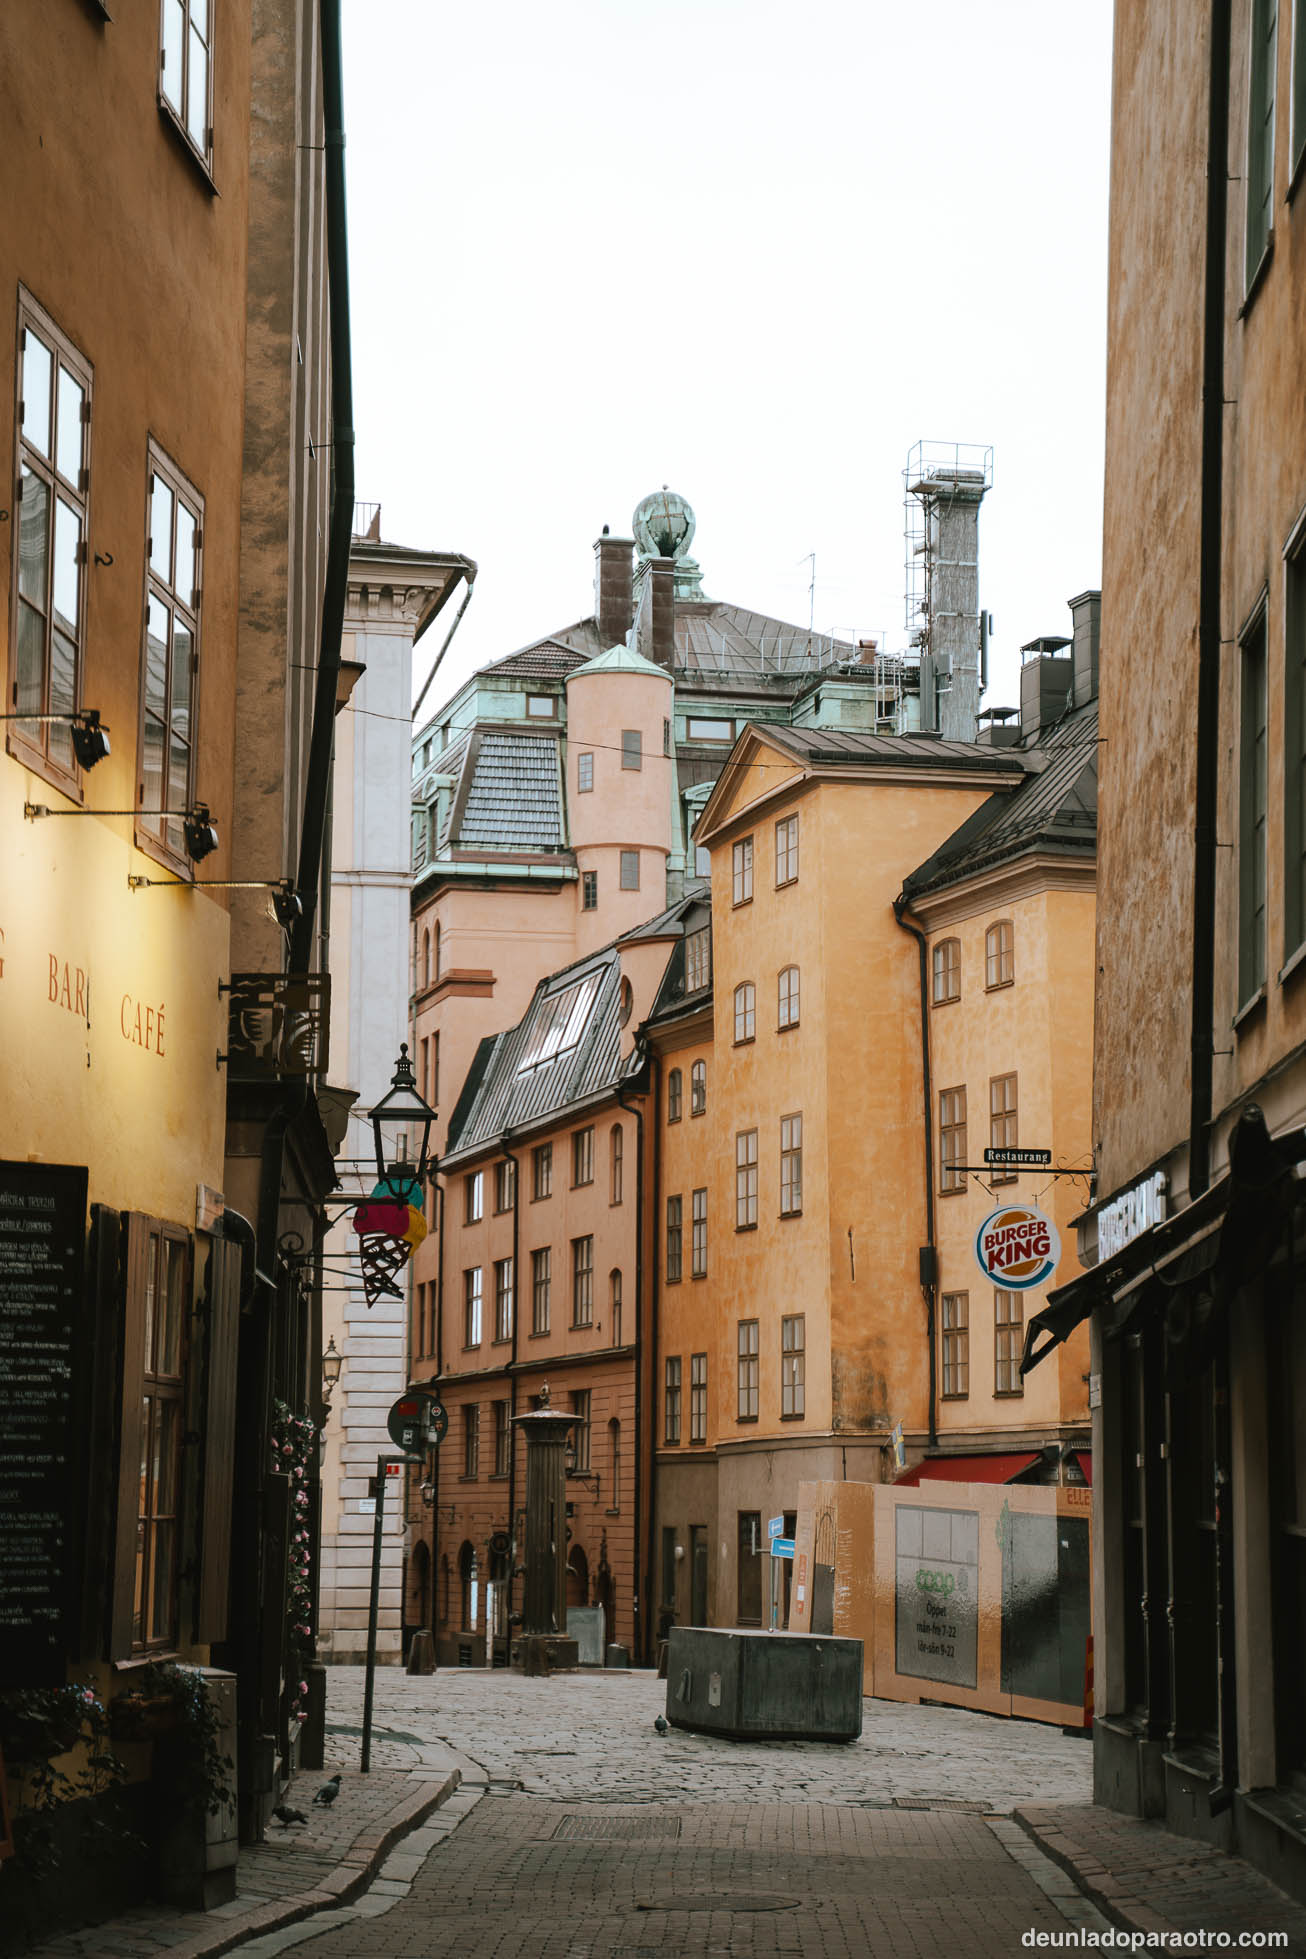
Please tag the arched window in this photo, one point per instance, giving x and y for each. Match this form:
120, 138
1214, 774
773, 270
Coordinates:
614, 1306
787, 988
674, 1089
466, 1584
426, 959
999, 955
617, 1144
436, 972
745, 1011
614, 1464
946, 971
698, 1089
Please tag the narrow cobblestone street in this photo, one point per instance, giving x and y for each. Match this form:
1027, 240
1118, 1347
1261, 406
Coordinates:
579, 1830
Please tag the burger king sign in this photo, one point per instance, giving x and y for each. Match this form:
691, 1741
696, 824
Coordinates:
1017, 1247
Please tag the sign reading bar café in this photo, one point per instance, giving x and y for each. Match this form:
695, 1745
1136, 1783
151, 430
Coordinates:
42, 1284
1017, 1247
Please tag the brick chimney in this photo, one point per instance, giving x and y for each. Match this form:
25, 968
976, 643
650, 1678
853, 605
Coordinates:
614, 603
655, 618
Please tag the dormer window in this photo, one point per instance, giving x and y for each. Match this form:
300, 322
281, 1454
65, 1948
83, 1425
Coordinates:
539, 707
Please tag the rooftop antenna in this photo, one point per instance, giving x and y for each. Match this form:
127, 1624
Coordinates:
811, 590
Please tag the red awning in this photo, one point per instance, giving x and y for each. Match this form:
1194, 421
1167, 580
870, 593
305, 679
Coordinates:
967, 1469
1085, 1460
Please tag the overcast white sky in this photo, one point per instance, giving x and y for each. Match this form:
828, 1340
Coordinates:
752, 250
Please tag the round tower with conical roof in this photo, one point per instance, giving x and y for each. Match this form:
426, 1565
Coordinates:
619, 791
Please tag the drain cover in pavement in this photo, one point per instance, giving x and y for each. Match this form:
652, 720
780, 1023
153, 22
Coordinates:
604, 1829
719, 1901
941, 1802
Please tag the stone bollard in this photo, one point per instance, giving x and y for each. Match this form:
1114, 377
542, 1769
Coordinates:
421, 1652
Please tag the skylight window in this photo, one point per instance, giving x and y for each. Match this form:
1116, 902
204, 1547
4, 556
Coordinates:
559, 1022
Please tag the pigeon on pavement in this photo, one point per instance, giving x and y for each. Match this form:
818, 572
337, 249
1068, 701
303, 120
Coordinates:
661, 1724
286, 1816
327, 1794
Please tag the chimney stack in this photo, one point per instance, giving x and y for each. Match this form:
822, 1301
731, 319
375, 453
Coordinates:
999, 727
614, 570
1045, 682
868, 651
1086, 625
655, 619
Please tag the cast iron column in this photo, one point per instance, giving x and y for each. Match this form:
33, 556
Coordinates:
544, 1555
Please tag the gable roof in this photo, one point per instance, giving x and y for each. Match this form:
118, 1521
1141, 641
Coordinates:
1055, 809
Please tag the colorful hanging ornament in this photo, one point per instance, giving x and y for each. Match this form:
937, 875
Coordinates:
389, 1225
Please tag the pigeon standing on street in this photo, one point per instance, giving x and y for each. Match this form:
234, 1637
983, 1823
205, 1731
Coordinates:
287, 1816
327, 1794
662, 1724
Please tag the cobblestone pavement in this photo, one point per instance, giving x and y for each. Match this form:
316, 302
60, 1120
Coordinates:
580, 1833
590, 1738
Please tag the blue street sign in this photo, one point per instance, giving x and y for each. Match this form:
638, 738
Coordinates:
782, 1547
775, 1526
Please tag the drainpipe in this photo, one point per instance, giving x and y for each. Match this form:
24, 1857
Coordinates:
1208, 604
318, 781
642, 1580
439, 1370
457, 620
929, 1250
512, 1373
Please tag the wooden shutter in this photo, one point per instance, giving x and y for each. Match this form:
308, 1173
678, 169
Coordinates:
127, 1520
219, 1440
101, 1487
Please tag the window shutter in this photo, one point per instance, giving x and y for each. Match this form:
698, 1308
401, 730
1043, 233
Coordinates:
123, 1593
219, 1440
102, 1420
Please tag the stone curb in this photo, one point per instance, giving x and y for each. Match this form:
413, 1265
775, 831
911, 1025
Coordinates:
1125, 1909
349, 1878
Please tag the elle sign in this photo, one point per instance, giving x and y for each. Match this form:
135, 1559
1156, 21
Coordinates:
1017, 1247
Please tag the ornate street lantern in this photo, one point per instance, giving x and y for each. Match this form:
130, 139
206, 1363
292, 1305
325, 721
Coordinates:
402, 1111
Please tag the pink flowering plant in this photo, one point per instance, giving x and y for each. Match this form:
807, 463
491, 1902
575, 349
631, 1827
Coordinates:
294, 1447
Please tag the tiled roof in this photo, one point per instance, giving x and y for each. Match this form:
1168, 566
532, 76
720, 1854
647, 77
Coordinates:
1055, 808
553, 657
514, 799
512, 1092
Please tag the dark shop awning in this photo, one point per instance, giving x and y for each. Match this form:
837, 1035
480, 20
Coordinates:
968, 1469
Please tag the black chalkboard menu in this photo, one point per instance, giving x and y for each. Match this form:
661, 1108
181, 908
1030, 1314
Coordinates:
42, 1295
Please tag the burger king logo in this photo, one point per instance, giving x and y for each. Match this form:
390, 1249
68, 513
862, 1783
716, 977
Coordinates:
1017, 1247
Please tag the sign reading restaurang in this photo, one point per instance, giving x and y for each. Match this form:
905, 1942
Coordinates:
1017, 1247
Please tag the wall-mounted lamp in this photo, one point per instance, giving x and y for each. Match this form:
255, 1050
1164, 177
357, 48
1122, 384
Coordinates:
427, 1488
90, 735
287, 905
590, 1477
402, 1109
198, 827
332, 1362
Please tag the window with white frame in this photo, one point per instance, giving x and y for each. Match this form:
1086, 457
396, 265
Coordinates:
745, 1179
741, 866
698, 1089
698, 959
671, 1400
582, 1156
698, 1237
171, 656
793, 1365
473, 1197
541, 1282
503, 1299
946, 972
952, 1139
675, 1237
675, 1084
1003, 1131
791, 1165
49, 574
747, 1384
472, 1306
186, 69
787, 989
745, 1011
999, 955
698, 1397
1008, 1340
955, 1329
786, 850
585, 773
616, 1162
